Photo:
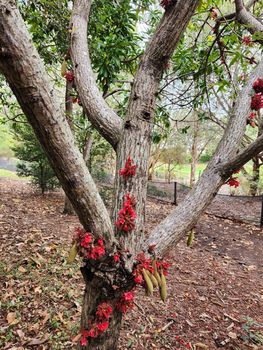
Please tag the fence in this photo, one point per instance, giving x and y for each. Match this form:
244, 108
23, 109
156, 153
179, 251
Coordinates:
235, 207
240, 208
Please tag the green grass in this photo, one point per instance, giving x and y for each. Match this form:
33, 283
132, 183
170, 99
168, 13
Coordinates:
181, 171
6, 142
8, 173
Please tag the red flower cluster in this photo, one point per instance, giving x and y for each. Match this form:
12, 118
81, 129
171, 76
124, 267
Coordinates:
258, 86
101, 324
257, 99
129, 169
165, 3
104, 311
147, 264
127, 215
257, 102
233, 182
87, 246
247, 40
126, 302
69, 76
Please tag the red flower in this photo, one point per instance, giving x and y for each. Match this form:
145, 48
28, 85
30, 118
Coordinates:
92, 333
252, 115
116, 257
128, 296
126, 302
129, 168
83, 341
96, 252
233, 182
127, 215
100, 242
247, 40
69, 76
102, 327
86, 240
257, 102
258, 85
138, 279
104, 311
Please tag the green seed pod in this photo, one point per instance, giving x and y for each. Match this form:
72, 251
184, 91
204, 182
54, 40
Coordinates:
148, 282
72, 253
190, 238
64, 68
163, 288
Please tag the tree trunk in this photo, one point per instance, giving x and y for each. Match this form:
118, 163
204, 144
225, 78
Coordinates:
87, 149
25, 73
68, 207
95, 293
194, 153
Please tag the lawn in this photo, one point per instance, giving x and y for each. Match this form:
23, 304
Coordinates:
8, 173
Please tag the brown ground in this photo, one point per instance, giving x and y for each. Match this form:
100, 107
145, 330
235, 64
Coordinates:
215, 287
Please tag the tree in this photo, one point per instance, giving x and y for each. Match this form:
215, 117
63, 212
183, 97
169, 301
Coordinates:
110, 279
172, 156
33, 160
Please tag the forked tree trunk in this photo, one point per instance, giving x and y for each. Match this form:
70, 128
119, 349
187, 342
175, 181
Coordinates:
25, 73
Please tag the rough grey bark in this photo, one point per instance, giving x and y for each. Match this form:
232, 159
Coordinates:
68, 208
221, 166
243, 16
136, 134
87, 148
25, 73
101, 116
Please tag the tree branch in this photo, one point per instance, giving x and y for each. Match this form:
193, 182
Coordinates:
24, 71
101, 116
243, 16
136, 135
181, 220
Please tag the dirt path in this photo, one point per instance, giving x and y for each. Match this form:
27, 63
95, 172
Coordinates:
215, 287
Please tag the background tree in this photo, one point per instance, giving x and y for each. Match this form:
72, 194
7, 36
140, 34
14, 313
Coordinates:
33, 160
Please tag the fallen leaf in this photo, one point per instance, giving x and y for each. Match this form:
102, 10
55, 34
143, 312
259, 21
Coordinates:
21, 269
38, 341
11, 318
201, 345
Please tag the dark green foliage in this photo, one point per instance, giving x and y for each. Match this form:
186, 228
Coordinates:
33, 161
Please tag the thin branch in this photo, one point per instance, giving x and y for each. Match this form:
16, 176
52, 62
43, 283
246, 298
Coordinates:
101, 116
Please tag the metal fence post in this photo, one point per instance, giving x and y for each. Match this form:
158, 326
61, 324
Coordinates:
261, 219
175, 193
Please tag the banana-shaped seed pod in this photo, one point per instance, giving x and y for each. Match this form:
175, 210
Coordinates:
148, 282
156, 273
72, 253
153, 279
190, 238
64, 68
163, 288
